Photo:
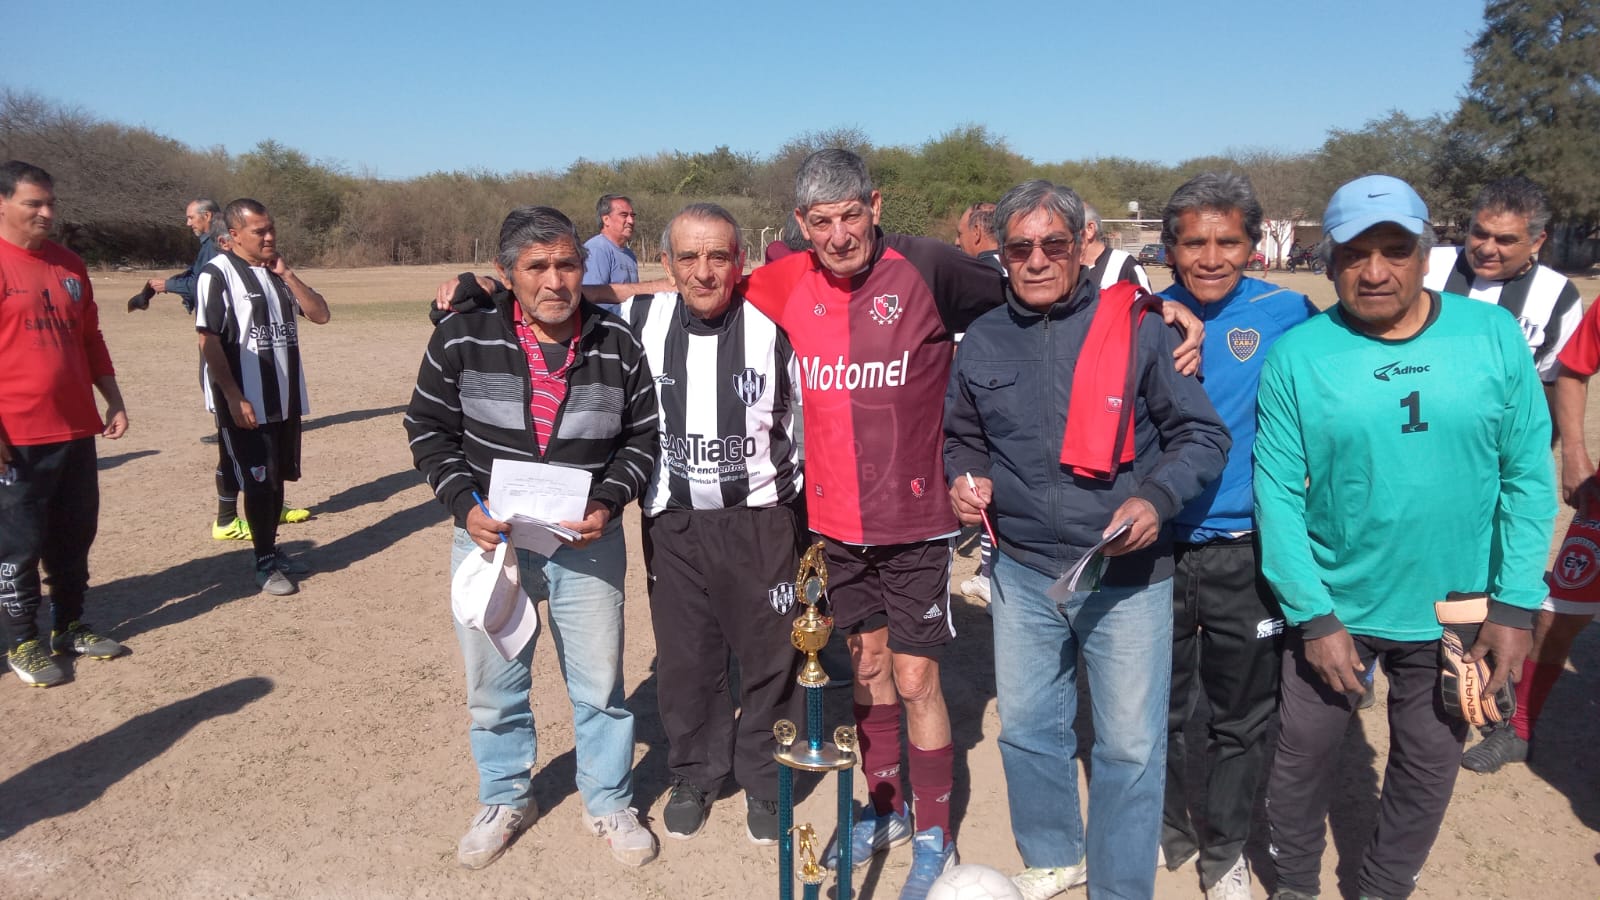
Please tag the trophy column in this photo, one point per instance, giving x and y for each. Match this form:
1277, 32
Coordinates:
810, 635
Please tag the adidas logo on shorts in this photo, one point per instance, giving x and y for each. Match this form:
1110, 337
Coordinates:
934, 612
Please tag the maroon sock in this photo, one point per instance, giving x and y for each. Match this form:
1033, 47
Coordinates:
878, 733
1537, 680
933, 777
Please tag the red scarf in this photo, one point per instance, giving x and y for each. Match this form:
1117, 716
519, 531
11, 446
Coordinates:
1105, 385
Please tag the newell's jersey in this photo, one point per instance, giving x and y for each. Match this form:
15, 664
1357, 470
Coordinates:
253, 312
874, 355
51, 349
1547, 305
727, 393
1389, 473
1582, 353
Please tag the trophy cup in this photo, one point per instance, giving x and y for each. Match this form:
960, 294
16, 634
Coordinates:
810, 634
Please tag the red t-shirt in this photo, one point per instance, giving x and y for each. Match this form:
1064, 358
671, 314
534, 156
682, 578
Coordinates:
874, 354
1582, 351
51, 345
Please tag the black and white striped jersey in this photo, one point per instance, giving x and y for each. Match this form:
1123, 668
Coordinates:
253, 312
727, 391
1114, 266
1546, 303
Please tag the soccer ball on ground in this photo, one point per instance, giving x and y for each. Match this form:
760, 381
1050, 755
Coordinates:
971, 881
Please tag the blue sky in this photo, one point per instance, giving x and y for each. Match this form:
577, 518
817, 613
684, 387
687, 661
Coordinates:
410, 87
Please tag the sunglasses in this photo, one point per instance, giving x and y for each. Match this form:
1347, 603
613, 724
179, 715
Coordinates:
1054, 248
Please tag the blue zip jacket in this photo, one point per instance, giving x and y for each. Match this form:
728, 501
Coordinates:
1240, 329
183, 283
1005, 413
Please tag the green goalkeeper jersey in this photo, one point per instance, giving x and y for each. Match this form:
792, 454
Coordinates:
1389, 473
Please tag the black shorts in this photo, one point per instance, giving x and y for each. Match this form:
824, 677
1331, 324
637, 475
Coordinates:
264, 456
904, 587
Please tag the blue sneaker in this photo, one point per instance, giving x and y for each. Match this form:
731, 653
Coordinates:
930, 857
870, 835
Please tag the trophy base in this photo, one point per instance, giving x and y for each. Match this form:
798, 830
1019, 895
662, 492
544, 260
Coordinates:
828, 758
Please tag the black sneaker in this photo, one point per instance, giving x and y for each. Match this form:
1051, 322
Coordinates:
761, 820
1497, 748
686, 811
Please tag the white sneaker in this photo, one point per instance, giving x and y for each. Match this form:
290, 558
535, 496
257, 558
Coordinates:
1235, 885
631, 843
491, 832
976, 589
1042, 884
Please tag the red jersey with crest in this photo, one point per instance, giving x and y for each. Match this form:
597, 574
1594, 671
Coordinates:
874, 352
51, 346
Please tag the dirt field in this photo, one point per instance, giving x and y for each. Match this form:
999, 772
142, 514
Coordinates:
315, 746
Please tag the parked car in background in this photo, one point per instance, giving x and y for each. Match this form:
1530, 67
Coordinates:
1153, 255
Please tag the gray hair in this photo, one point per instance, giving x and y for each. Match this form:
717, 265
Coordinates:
1216, 191
529, 225
792, 237
1519, 196
204, 205
980, 218
1091, 216
831, 176
602, 207
705, 212
1030, 196
1327, 246
218, 231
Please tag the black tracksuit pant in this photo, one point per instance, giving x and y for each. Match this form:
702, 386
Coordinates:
723, 580
48, 516
1227, 640
1424, 757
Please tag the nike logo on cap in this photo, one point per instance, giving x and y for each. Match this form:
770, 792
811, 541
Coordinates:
1375, 196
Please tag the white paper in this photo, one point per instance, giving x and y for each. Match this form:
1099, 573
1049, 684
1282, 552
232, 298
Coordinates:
1085, 574
533, 497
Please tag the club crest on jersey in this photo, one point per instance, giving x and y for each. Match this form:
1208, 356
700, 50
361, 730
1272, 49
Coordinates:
919, 486
1243, 342
885, 309
1577, 564
74, 288
259, 473
819, 310
781, 597
749, 385
1113, 404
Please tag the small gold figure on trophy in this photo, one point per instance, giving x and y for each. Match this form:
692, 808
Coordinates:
806, 840
812, 630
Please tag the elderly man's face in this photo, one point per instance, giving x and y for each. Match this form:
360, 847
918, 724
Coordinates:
1378, 275
547, 281
705, 264
1498, 244
198, 222
842, 233
618, 224
1211, 252
1041, 257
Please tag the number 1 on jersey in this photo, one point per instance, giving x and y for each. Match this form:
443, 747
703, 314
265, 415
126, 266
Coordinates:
1413, 402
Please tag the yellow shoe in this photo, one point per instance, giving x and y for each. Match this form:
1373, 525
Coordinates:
237, 530
293, 516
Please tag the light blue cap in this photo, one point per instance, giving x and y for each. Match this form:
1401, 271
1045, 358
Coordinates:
1372, 200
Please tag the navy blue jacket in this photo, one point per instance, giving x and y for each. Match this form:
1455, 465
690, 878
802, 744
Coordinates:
183, 283
1005, 413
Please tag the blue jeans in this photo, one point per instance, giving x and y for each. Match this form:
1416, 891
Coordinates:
584, 614
1124, 635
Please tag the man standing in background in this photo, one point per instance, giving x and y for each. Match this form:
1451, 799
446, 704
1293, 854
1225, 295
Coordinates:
611, 261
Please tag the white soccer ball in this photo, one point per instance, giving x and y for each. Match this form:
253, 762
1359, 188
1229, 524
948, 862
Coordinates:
970, 881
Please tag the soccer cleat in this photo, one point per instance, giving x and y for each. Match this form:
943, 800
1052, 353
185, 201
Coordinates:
686, 811
930, 858
33, 665
491, 832
976, 589
270, 578
80, 641
1500, 746
1234, 884
237, 530
871, 834
293, 516
1042, 883
631, 843
761, 821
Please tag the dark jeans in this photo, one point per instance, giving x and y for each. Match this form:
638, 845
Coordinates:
48, 515
1227, 641
1424, 757
723, 580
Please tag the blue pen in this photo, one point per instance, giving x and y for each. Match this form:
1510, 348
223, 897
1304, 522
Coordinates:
488, 514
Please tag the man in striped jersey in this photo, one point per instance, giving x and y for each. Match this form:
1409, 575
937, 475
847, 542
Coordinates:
723, 523
249, 304
1106, 264
543, 376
